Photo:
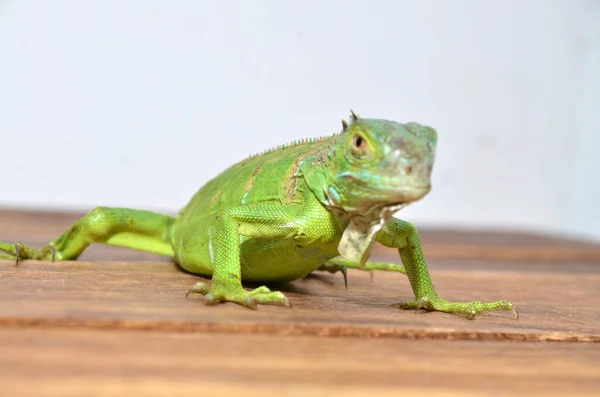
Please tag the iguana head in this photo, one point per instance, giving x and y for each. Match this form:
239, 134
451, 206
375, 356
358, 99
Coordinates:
381, 163
374, 168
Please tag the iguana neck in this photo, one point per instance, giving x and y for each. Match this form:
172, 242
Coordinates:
360, 224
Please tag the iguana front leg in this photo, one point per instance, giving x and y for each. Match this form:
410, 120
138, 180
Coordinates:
270, 221
404, 236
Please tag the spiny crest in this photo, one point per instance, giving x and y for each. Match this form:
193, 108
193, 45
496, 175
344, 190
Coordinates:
304, 141
297, 142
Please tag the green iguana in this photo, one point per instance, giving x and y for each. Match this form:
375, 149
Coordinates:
315, 204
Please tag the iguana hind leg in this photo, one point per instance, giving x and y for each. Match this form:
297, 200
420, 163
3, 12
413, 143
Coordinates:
342, 265
335, 264
136, 229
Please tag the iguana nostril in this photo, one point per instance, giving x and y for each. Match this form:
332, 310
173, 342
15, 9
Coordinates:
408, 170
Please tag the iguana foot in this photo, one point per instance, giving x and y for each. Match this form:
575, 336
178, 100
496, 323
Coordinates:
467, 309
20, 251
342, 265
250, 299
334, 268
339, 262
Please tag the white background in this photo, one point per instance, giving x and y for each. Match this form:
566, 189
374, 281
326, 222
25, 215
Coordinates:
138, 103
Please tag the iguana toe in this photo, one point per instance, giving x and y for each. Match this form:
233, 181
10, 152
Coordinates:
19, 251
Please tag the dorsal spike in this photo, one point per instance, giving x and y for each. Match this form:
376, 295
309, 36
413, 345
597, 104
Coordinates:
296, 142
354, 116
344, 125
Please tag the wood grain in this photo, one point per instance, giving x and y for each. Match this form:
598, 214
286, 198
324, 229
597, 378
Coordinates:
105, 363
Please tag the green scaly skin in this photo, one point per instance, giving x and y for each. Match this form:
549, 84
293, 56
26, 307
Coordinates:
318, 204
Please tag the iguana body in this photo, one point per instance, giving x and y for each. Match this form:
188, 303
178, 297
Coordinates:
285, 213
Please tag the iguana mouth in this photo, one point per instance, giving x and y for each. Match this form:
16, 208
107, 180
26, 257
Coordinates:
385, 182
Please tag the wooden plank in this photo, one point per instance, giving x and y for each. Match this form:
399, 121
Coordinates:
557, 301
117, 323
131, 295
92, 363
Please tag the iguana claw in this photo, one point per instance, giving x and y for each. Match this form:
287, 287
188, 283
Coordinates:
515, 312
333, 268
17, 253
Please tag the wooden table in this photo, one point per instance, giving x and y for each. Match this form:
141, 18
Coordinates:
117, 323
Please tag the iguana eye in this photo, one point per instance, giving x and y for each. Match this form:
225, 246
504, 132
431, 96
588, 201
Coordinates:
359, 142
360, 148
